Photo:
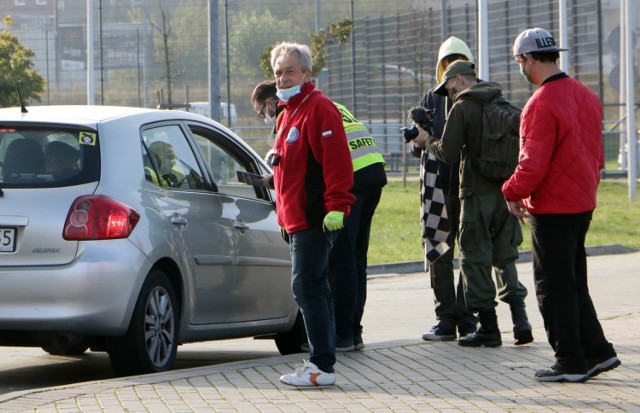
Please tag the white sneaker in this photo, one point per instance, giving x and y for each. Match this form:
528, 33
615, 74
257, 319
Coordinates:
308, 375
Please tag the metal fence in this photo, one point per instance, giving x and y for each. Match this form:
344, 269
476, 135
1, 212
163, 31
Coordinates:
391, 61
383, 72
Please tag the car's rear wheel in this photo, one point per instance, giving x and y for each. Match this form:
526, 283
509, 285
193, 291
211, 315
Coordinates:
150, 343
290, 341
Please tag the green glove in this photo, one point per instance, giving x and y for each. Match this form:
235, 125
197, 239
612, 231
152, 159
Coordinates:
333, 221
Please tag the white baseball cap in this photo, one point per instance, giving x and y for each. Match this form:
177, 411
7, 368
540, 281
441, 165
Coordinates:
535, 40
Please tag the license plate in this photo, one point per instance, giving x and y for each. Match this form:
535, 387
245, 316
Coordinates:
7, 239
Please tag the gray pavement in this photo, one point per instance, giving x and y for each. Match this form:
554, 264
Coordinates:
397, 371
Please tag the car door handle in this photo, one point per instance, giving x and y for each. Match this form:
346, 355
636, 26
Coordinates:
240, 226
179, 222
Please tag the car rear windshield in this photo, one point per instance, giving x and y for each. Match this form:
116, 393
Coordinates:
47, 157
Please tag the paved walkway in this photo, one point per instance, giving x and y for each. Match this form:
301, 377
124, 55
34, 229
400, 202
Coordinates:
397, 372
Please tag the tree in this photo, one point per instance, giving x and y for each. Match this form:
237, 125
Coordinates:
338, 33
163, 28
17, 70
254, 34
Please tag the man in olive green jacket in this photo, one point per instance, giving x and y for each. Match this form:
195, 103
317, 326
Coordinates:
489, 234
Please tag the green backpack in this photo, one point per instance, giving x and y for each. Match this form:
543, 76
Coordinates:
500, 144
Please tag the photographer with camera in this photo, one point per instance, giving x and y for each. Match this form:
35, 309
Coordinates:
510, 290
448, 299
489, 234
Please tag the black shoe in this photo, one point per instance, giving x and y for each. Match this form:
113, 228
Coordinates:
596, 368
466, 328
556, 374
358, 344
344, 345
481, 338
440, 332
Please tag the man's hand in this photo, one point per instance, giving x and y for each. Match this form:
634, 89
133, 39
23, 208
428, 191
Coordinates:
518, 209
333, 221
266, 181
420, 141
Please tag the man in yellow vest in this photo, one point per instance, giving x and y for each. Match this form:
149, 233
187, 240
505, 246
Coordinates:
348, 256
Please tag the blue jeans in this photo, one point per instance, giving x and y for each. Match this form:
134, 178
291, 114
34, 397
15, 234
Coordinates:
309, 261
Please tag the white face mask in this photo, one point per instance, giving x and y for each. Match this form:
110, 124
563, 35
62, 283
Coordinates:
269, 120
286, 94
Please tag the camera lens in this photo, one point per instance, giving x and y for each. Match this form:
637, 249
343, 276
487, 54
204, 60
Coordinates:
410, 134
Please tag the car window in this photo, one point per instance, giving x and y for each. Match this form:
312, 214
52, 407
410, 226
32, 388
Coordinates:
169, 160
47, 157
228, 161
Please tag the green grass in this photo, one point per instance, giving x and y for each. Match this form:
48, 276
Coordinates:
395, 233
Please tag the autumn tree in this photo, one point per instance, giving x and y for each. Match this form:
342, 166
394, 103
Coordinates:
17, 71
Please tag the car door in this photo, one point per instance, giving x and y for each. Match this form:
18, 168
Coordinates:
262, 287
201, 220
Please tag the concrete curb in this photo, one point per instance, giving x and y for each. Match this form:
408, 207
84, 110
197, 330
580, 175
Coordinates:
525, 256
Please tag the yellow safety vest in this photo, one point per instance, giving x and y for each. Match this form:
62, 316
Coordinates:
362, 145
153, 177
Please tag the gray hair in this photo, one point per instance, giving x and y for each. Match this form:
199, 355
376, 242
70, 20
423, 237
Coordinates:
301, 51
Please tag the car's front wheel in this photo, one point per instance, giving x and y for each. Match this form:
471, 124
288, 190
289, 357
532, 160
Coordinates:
150, 343
290, 341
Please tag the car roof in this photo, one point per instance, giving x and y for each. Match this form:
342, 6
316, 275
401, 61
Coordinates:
86, 114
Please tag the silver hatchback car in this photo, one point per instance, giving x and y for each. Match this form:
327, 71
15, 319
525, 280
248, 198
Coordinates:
132, 231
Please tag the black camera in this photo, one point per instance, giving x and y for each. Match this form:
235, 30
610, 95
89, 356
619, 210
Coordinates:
423, 117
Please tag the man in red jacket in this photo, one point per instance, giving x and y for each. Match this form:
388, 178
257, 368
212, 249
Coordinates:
313, 174
555, 186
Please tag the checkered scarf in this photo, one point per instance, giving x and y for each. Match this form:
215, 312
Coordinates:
433, 212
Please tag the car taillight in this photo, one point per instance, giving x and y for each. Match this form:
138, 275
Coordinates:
96, 217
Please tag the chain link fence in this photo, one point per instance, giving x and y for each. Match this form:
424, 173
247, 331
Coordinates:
150, 52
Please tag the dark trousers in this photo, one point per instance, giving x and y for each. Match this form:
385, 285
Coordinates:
309, 256
448, 297
560, 274
348, 263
